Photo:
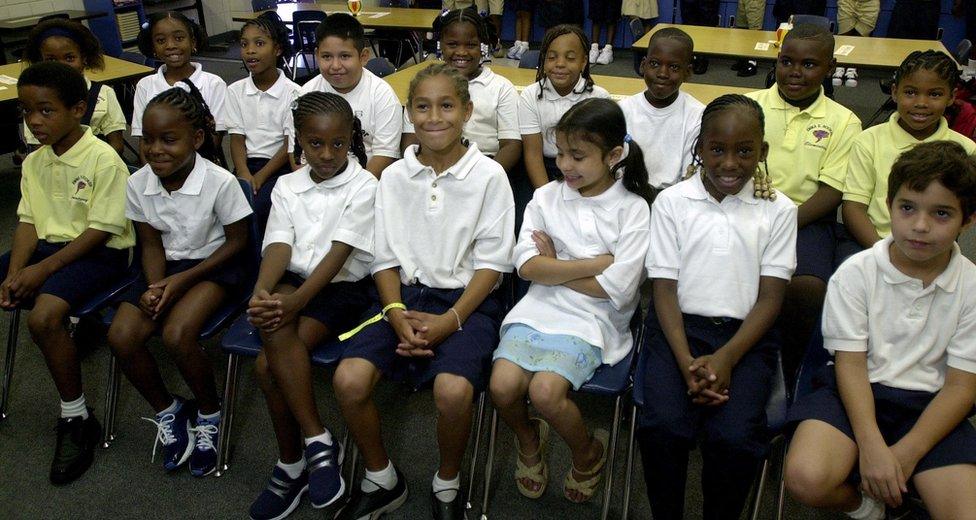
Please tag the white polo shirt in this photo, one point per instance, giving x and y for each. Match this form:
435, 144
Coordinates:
614, 222
375, 104
191, 219
910, 333
539, 116
309, 216
718, 250
211, 87
495, 114
440, 229
261, 116
665, 135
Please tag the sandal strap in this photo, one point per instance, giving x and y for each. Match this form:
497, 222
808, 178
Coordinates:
542, 427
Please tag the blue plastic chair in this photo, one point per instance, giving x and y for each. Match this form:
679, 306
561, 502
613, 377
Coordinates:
529, 59
304, 24
380, 66
263, 5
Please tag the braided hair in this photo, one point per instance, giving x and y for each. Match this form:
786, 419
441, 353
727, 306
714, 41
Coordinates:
194, 110
486, 31
762, 182
88, 45
326, 103
937, 62
551, 35
271, 24
145, 39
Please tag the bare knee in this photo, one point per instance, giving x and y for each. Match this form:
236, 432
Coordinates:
808, 481
122, 339
504, 391
45, 321
452, 395
353, 383
179, 338
262, 370
546, 396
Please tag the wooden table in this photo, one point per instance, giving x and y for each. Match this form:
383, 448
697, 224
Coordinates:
618, 87
115, 70
866, 52
370, 17
22, 23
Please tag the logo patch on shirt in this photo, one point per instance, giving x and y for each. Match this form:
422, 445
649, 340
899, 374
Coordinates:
81, 188
818, 136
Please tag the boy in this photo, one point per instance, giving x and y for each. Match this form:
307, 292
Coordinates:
900, 319
341, 54
809, 138
71, 242
663, 120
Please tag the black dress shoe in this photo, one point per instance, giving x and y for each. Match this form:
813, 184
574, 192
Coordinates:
750, 69
699, 64
739, 64
453, 510
366, 506
75, 448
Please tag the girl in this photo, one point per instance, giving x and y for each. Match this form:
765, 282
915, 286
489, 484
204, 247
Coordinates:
576, 313
258, 108
172, 38
444, 221
562, 80
923, 89
190, 217
465, 41
312, 285
723, 247
523, 28
74, 45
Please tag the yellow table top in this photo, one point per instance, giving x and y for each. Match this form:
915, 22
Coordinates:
371, 17
115, 70
618, 87
849, 50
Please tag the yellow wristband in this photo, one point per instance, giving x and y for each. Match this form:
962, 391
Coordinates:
373, 319
390, 307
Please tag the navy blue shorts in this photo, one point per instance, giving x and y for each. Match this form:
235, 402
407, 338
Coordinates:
740, 423
262, 201
605, 11
466, 353
340, 306
230, 277
79, 281
896, 411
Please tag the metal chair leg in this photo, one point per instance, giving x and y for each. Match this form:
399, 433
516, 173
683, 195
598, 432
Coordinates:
489, 460
8, 364
479, 423
628, 476
611, 458
112, 388
780, 491
227, 414
754, 515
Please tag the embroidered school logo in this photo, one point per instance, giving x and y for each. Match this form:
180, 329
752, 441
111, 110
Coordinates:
82, 188
819, 136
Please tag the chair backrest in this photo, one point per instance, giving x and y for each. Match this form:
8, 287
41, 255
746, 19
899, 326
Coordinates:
529, 59
812, 19
305, 23
380, 66
962, 52
254, 238
263, 5
636, 28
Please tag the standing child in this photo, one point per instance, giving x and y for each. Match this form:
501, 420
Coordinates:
900, 320
172, 38
258, 109
562, 80
313, 284
494, 126
71, 242
749, 15
523, 28
663, 120
605, 14
723, 247
577, 311
73, 44
341, 53
923, 88
857, 17
810, 139
444, 235
190, 215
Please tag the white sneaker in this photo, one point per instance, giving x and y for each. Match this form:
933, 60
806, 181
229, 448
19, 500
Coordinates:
514, 50
606, 55
838, 78
523, 46
594, 52
850, 77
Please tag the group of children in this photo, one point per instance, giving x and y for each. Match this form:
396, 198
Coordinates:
730, 209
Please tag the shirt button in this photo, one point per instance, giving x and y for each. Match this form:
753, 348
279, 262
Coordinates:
310, 247
434, 185
433, 197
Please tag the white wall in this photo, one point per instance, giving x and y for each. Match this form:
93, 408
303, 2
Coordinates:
18, 8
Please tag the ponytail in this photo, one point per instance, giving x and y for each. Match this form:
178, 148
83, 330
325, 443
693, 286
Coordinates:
635, 174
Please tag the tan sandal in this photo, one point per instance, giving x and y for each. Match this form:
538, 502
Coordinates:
587, 487
537, 473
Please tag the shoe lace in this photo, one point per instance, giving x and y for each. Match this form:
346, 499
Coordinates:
205, 433
164, 431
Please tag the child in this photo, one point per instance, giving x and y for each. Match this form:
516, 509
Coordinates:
857, 17
494, 9
172, 38
644, 10
605, 13
341, 53
258, 109
922, 90
577, 311
190, 215
73, 44
663, 120
444, 236
704, 13
313, 284
749, 15
723, 247
71, 242
562, 80
523, 28
494, 125
900, 320
810, 139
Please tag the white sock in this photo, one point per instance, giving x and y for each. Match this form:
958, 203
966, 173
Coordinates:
208, 417
172, 408
608, 46
385, 478
870, 509
446, 490
324, 437
294, 469
74, 408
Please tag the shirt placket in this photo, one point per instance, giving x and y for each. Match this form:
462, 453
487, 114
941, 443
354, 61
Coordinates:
435, 193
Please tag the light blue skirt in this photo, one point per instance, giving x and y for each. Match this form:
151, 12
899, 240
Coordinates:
535, 351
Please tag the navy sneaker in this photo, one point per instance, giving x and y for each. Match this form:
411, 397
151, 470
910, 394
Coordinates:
175, 431
203, 460
372, 505
281, 497
324, 464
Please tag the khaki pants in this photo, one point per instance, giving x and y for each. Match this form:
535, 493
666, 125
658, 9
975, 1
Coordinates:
487, 6
750, 14
859, 15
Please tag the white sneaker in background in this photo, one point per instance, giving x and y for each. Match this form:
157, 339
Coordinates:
838, 78
523, 46
850, 77
606, 55
514, 49
594, 52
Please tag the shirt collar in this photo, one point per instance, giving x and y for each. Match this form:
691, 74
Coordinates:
549, 92
484, 78
73, 156
193, 184
947, 280
816, 109
195, 77
695, 190
606, 201
459, 169
904, 140
303, 180
275, 90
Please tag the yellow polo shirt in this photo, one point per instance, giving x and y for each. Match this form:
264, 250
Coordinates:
806, 147
83, 188
874, 152
107, 116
